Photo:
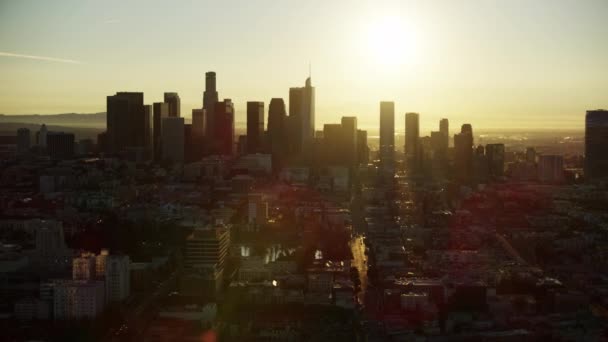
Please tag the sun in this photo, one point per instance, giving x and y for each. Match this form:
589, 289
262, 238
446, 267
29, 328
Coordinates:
389, 42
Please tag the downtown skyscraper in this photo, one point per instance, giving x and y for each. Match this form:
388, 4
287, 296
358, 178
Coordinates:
126, 122
302, 116
210, 98
172, 99
387, 133
255, 126
277, 132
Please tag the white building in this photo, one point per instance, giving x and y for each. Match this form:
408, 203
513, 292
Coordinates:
78, 299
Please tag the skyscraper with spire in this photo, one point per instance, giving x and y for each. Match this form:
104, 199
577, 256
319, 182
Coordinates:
302, 113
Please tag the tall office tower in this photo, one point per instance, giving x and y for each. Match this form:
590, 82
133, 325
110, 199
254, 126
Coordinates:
463, 154
412, 134
23, 140
387, 133
349, 128
495, 154
148, 131
118, 277
161, 111
255, 126
444, 128
223, 121
205, 256
596, 144
198, 122
362, 148
173, 139
302, 108
210, 98
60, 145
550, 168
334, 149
83, 267
277, 133
126, 123
42, 133
174, 104
191, 152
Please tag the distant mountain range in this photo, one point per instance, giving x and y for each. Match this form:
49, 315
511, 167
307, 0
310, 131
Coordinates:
94, 120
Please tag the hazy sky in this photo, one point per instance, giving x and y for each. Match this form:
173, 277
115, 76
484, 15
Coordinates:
516, 63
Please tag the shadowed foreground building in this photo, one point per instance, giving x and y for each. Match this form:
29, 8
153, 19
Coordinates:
205, 254
596, 145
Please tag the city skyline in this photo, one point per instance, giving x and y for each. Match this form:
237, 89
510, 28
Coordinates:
512, 76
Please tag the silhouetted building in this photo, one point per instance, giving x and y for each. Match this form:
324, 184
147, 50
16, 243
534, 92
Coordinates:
161, 111
148, 143
302, 112
172, 99
223, 121
596, 145
333, 147
126, 122
210, 98
173, 139
197, 137
412, 134
190, 152
23, 140
60, 145
550, 169
277, 133
349, 128
362, 148
387, 133
255, 126
198, 122
463, 154
444, 128
495, 154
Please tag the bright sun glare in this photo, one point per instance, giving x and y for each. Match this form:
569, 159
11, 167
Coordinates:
389, 42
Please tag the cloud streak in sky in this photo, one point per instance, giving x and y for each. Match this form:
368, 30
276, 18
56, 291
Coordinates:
40, 58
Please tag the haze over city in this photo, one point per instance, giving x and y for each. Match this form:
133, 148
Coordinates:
430, 171
512, 64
